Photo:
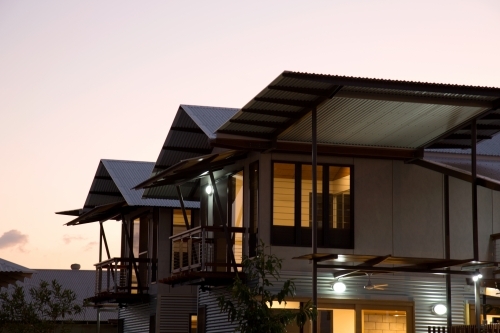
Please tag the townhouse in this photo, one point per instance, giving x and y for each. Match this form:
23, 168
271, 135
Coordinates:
346, 180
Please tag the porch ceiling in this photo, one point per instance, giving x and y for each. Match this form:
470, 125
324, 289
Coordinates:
367, 112
193, 168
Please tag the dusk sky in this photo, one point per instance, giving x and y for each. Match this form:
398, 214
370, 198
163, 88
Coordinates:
85, 80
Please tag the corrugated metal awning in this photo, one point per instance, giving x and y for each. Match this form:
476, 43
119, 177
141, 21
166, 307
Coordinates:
367, 112
100, 213
187, 170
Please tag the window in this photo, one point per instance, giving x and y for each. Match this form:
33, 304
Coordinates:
292, 205
179, 225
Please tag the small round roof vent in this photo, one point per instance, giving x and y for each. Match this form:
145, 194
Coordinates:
75, 267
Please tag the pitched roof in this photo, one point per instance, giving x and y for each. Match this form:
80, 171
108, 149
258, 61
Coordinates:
188, 137
112, 189
367, 112
11, 272
127, 174
82, 282
209, 118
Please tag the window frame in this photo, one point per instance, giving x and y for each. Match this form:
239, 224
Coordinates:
300, 233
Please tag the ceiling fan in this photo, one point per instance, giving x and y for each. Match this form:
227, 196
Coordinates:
370, 286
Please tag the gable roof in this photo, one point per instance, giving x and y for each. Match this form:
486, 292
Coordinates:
11, 272
367, 112
188, 137
209, 118
111, 190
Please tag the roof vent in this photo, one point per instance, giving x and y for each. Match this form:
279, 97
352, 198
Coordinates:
75, 267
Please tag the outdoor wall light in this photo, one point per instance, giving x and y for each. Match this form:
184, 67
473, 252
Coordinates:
439, 309
476, 277
209, 189
338, 287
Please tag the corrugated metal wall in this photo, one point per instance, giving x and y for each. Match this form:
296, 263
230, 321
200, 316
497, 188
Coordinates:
216, 321
136, 316
174, 313
424, 290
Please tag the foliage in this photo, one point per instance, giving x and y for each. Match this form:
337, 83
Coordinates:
250, 304
40, 312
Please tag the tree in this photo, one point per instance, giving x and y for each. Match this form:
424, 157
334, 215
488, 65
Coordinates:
250, 304
46, 304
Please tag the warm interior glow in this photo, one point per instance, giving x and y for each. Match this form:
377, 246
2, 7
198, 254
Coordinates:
283, 305
384, 320
284, 194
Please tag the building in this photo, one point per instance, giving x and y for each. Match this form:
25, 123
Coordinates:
390, 210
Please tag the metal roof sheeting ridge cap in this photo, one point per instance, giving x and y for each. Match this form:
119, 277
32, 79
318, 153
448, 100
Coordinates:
457, 86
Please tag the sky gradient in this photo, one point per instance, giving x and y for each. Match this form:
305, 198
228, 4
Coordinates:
85, 80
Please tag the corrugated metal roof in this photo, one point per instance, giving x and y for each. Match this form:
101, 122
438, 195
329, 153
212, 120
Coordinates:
485, 147
209, 118
349, 121
487, 167
82, 282
127, 174
10, 267
367, 112
187, 138
11, 272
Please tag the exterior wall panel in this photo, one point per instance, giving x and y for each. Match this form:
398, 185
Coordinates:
373, 204
417, 212
136, 317
217, 322
174, 313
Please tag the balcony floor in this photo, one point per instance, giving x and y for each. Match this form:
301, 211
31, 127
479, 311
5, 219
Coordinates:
106, 297
202, 278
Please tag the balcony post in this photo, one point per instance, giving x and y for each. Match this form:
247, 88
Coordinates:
203, 249
314, 212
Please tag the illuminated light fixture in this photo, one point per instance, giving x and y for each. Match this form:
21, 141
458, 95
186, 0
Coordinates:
203, 174
338, 287
200, 159
209, 189
439, 309
476, 277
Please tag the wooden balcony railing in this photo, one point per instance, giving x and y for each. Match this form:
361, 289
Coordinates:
205, 249
117, 276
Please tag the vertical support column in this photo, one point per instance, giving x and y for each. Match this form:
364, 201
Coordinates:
100, 242
314, 212
475, 232
98, 320
477, 303
447, 248
474, 189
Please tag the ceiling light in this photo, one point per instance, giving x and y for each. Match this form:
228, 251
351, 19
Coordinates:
476, 277
338, 287
209, 189
439, 309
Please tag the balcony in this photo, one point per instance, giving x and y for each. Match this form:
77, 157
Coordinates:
118, 282
201, 256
